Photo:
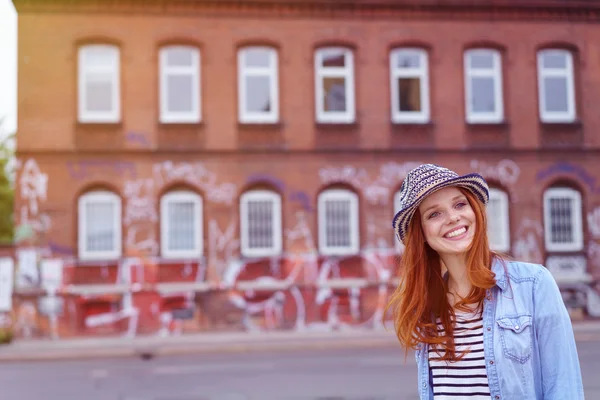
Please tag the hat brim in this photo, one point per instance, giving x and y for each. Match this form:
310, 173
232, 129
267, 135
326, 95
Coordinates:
474, 182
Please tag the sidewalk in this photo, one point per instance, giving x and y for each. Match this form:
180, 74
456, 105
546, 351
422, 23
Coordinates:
150, 346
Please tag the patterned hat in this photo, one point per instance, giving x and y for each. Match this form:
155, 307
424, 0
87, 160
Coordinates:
426, 179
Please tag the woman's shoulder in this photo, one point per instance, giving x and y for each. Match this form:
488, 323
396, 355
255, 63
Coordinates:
520, 270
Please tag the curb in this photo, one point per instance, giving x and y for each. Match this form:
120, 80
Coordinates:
147, 347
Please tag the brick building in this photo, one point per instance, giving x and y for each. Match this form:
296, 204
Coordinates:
245, 155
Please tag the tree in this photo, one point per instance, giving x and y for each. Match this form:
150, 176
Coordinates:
7, 193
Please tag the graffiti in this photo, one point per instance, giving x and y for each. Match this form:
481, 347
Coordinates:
593, 220
222, 246
195, 174
561, 168
140, 201
506, 171
85, 169
296, 196
137, 138
376, 191
144, 243
60, 249
594, 253
33, 188
526, 246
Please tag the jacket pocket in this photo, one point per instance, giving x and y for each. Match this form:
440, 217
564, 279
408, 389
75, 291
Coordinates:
515, 335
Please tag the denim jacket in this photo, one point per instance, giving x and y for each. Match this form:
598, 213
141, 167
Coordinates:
528, 339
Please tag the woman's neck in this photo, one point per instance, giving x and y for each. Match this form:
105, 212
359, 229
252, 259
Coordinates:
458, 281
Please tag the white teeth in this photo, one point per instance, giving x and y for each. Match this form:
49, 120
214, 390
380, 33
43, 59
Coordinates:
456, 232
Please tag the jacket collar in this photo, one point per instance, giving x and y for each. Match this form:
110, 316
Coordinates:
499, 269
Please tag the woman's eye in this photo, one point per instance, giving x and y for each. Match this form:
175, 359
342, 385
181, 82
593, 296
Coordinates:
433, 215
461, 204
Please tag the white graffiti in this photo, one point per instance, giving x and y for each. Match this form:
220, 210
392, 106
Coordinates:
195, 174
593, 219
139, 194
506, 171
594, 253
136, 244
376, 191
34, 189
222, 246
526, 246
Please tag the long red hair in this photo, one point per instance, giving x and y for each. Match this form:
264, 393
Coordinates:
421, 298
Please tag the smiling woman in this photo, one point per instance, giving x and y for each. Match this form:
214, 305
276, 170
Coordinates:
486, 327
8, 68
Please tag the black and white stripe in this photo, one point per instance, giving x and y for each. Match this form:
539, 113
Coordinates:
466, 378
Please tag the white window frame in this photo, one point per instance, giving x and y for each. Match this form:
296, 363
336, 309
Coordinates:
422, 73
346, 72
262, 195
567, 73
576, 221
114, 115
339, 194
503, 220
272, 72
180, 196
495, 73
99, 196
195, 115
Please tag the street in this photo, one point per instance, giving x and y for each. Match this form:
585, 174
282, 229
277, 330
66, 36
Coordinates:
340, 374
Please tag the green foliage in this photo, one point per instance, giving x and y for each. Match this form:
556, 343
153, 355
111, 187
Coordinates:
7, 194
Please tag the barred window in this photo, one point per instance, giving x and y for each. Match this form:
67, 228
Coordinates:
260, 223
181, 225
562, 219
338, 222
99, 223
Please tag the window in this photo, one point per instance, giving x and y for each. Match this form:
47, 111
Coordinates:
258, 85
338, 222
498, 221
555, 84
409, 86
181, 225
334, 85
483, 86
99, 85
179, 85
260, 223
562, 220
99, 219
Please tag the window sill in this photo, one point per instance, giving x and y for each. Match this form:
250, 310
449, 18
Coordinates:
250, 126
99, 125
336, 126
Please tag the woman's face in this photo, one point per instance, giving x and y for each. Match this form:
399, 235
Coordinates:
448, 221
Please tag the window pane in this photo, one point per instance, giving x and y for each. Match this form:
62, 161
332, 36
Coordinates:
481, 59
554, 60
333, 58
98, 92
257, 58
179, 93
99, 57
182, 233
408, 59
334, 92
179, 57
99, 222
260, 224
482, 94
409, 94
258, 94
555, 94
561, 217
337, 220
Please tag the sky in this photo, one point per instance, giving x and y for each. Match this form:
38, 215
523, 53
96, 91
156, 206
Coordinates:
8, 67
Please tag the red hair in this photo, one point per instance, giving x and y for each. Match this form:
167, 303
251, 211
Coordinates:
420, 298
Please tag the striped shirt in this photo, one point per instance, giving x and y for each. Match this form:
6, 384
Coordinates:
466, 378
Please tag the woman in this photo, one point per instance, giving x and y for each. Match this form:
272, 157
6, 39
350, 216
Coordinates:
486, 327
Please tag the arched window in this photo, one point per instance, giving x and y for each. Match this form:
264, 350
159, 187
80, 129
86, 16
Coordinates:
338, 222
563, 230
181, 225
99, 223
260, 223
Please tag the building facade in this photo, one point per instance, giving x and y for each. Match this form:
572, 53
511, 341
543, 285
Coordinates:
199, 165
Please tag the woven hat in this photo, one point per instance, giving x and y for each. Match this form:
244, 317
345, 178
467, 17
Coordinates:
426, 179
